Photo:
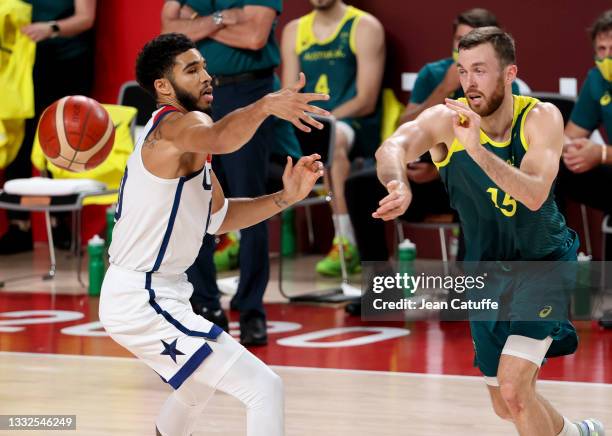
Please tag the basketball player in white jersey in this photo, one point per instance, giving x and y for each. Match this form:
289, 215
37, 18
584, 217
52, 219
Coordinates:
169, 197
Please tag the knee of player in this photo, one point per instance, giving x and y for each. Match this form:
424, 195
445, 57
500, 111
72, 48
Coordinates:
340, 151
502, 411
515, 395
274, 388
276, 384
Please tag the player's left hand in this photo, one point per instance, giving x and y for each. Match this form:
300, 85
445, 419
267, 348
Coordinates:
581, 155
37, 31
299, 179
466, 125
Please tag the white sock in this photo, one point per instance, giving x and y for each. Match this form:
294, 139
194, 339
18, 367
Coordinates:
569, 428
344, 228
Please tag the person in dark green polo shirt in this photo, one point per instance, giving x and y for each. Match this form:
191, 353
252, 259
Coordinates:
587, 166
63, 66
236, 37
437, 80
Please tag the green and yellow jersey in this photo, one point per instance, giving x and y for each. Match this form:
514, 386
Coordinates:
330, 67
495, 225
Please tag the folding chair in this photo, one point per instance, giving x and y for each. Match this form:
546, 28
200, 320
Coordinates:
321, 142
38, 194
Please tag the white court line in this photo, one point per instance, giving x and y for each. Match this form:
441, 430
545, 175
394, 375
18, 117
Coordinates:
312, 369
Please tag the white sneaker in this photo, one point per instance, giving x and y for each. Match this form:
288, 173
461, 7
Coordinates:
591, 427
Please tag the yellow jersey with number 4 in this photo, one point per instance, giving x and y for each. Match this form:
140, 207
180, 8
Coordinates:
330, 65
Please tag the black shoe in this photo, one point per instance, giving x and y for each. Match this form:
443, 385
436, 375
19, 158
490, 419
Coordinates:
215, 316
354, 307
606, 319
16, 241
253, 330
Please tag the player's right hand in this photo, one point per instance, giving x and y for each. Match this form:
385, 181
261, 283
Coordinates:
291, 105
394, 204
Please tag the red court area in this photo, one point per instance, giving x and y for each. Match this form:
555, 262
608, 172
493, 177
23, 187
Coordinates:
299, 335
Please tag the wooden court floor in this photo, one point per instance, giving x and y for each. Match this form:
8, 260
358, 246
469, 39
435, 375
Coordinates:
417, 378
120, 396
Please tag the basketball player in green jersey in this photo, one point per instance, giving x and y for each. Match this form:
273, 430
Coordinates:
498, 155
341, 50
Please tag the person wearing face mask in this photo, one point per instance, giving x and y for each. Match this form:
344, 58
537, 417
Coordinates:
585, 163
437, 80
498, 156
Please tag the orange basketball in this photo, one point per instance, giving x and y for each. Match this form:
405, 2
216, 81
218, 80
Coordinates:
76, 133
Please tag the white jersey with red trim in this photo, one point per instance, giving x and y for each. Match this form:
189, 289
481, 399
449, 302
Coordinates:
160, 223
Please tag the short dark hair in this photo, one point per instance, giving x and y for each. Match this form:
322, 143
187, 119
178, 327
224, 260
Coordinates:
502, 43
157, 58
477, 17
602, 24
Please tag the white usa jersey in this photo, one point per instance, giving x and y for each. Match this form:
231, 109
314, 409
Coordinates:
160, 223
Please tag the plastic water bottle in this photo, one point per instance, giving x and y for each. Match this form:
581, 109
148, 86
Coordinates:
288, 242
406, 255
581, 303
95, 250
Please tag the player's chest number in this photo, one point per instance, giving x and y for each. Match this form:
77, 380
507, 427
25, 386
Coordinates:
508, 205
322, 86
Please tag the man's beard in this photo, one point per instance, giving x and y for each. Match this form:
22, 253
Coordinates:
325, 6
189, 101
493, 102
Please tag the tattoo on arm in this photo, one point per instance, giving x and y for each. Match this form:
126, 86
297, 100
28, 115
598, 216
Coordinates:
278, 200
152, 139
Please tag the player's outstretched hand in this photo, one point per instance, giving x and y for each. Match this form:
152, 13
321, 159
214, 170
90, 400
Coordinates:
466, 124
394, 204
299, 179
292, 105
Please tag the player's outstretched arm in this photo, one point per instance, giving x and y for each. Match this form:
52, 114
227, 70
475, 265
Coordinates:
298, 181
196, 133
531, 183
407, 144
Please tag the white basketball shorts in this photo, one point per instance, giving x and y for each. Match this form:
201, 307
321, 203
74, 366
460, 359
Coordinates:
150, 315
